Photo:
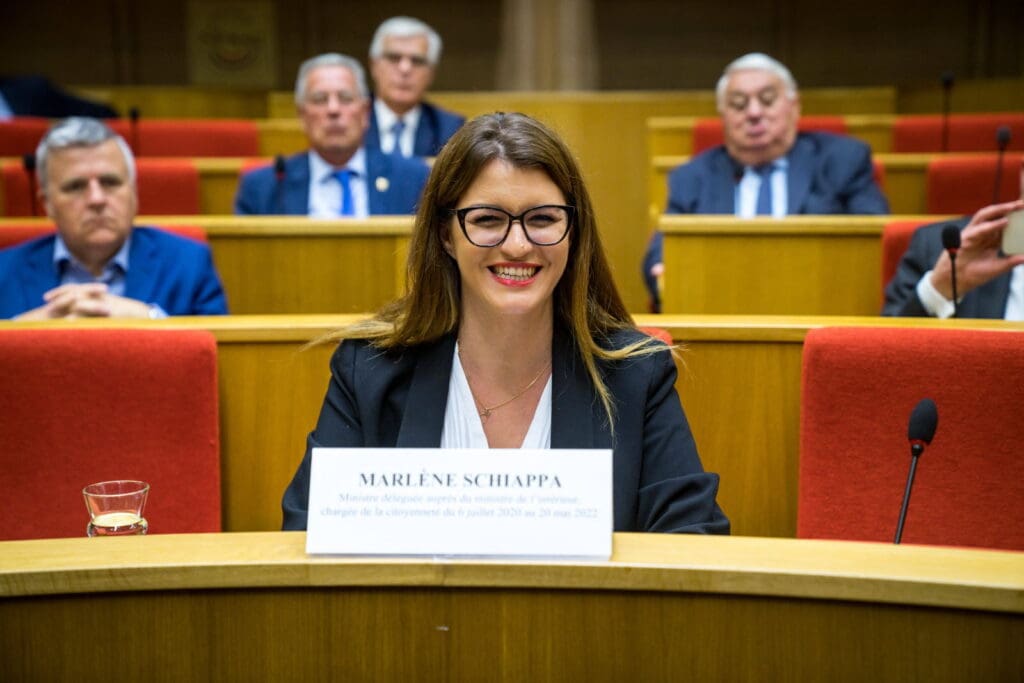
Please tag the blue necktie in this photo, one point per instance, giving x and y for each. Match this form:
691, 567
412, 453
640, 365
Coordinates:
348, 206
764, 194
397, 130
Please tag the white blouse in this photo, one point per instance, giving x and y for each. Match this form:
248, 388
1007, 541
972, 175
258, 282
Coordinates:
463, 427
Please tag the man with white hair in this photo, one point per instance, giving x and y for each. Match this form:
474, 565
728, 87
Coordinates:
403, 58
766, 167
97, 264
340, 175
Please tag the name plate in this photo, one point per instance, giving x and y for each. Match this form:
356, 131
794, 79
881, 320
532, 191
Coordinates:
461, 502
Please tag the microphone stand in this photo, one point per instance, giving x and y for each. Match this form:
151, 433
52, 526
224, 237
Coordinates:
916, 448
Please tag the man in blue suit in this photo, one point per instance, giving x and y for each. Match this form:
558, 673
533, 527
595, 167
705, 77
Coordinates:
765, 166
338, 176
97, 264
403, 59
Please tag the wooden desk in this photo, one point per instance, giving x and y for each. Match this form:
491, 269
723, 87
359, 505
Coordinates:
739, 382
905, 181
255, 607
799, 265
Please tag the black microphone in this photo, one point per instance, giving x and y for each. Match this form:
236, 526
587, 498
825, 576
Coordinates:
923, 421
947, 97
1002, 142
133, 119
951, 243
28, 162
279, 183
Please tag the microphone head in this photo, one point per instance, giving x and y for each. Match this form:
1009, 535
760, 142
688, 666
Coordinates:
947, 79
28, 161
279, 166
950, 238
923, 421
1003, 137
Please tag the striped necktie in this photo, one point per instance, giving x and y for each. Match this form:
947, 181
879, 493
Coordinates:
396, 131
348, 205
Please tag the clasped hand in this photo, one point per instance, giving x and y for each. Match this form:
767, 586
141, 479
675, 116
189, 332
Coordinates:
89, 300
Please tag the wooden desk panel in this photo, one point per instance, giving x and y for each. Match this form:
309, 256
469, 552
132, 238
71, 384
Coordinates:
255, 607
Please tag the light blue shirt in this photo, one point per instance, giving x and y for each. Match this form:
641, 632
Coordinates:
750, 184
325, 190
71, 271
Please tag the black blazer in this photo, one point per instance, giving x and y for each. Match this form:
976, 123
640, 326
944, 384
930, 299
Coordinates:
659, 483
986, 301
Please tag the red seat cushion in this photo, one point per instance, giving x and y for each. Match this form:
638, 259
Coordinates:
859, 388
962, 185
707, 132
87, 405
21, 135
896, 237
967, 132
190, 137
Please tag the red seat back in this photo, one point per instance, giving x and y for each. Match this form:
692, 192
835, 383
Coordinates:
859, 388
658, 333
707, 132
21, 135
966, 132
962, 185
12, 234
190, 137
87, 405
895, 240
166, 186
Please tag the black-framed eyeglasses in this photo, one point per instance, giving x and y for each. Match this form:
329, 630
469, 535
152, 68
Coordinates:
489, 226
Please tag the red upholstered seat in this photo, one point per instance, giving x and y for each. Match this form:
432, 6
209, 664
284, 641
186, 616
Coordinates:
166, 187
21, 134
87, 405
967, 132
707, 132
859, 388
895, 240
658, 333
191, 137
962, 185
16, 234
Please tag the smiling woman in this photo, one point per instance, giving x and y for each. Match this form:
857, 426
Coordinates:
511, 334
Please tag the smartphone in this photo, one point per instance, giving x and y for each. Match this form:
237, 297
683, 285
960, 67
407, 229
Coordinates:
1013, 236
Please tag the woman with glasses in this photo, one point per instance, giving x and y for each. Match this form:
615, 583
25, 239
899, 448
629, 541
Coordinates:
511, 334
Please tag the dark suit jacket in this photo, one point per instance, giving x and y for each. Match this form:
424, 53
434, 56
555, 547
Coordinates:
987, 301
37, 96
173, 272
435, 127
398, 400
261, 193
828, 174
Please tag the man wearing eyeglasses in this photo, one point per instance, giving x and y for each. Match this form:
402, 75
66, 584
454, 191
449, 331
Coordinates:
403, 57
340, 175
766, 167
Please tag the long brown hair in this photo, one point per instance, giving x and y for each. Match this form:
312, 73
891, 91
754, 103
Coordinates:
587, 303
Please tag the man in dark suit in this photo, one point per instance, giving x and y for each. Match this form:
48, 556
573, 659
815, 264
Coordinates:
765, 166
37, 96
403, 59
339, 175
990, 284
97, 264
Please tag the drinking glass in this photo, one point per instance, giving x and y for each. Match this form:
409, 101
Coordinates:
115, 508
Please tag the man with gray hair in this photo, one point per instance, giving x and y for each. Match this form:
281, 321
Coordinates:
340, 175
403, 58
97, 264
766, 167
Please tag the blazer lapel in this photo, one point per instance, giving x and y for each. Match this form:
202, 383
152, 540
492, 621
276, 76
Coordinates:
141, 279
423, 419
38, 274
722, 197
378, 181
799, 175
296, 195
424, 144
372, 138
573, 401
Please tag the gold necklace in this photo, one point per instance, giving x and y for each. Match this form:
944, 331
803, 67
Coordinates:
485, 413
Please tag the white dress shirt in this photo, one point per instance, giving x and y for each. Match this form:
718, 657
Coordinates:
325, 190
750, 185
941, 307
386, 120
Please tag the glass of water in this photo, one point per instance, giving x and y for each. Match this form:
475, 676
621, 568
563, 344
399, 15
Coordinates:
115, 508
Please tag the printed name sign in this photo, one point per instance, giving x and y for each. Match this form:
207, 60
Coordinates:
465, 502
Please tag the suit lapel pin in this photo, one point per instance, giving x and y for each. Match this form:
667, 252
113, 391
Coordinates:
381, 184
